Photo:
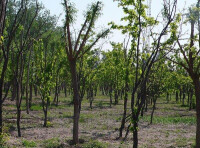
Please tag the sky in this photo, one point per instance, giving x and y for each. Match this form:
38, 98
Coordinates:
111, 12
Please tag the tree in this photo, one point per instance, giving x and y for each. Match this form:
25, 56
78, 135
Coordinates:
112, 72
28, 25
187, 56
9, 27
155, 85
3, 6
144, 58
76, 48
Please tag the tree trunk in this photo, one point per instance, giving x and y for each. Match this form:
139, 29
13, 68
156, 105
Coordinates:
45, 106
45, 119
35, 90
18, 121
124, 115
91, 101
13, 90
116, 98
135, 135
191, 101
1, 116
56, 92
183, 99
65, 90
153, 109
31, 95
91, 98
176, 96
146, 105
1, 94
27, 101
110, 93
142, 111
197, 94
95, 92
27, 83
18, 105
76, 102
3, 5
167, 97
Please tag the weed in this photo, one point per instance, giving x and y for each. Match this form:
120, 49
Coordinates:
52, 143
3, 139
36, 108
100, 104
49, 124
27, 143
181, 142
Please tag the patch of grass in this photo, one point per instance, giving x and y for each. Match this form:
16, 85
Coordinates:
82, 119
184, 105
171, 120
27, 143
10, 115
36, 107
85, 117
100, 104
52, 143
181, 142
6, 128
66, 115
94, 144
193, 145
49, 124
118, 119
167, 134
104, 127
193, 141
3, 140
54, 106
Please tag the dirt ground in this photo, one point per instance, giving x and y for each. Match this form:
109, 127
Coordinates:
173, 125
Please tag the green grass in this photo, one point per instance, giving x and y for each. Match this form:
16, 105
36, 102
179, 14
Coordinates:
52, 143
36, 107
53, 106
181, 142
66, 115
85, 117
170, 120
3, 139
27, 143
94, 144
100, 104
